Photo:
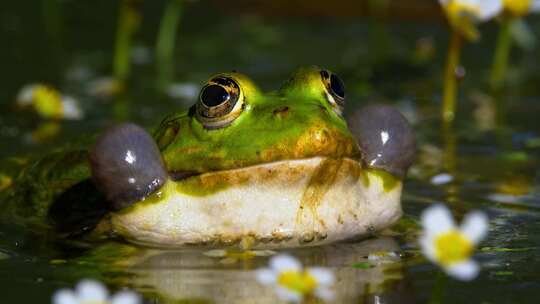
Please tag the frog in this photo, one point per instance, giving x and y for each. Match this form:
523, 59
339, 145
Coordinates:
241, 166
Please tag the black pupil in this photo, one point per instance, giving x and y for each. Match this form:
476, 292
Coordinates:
214, 95
337, 86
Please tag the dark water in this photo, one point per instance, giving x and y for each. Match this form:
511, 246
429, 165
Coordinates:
493, 151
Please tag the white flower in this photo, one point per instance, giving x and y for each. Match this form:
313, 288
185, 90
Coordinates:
449, 246
49, 102
292, 282
463, 14
93, 292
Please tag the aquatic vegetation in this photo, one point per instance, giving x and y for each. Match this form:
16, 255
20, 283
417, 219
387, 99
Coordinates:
462, 15
451, 247
129, 20
93, 292
292, 282
166, 41
514, 11
5, 181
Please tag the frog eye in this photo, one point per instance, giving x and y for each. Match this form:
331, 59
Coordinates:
220, 102
335, 90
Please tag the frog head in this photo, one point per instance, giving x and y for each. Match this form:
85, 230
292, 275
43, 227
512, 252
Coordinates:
237, 144
235, 125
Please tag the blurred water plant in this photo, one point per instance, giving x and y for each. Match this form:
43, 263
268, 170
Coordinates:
462, 15
451, 247
292, 283
128, 22
93, 292
514, 11
5, 181
166, 41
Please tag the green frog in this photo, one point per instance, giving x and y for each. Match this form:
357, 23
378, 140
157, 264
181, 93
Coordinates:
241, 166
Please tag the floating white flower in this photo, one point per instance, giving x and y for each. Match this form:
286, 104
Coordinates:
292, 282
450, 246
93, 292
464, 14
49, 102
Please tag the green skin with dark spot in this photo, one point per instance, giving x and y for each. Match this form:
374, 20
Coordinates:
296, 122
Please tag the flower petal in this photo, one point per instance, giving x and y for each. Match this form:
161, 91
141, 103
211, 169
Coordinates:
535, 6
89, 290
284, 262
489, 9
266, 276
428, 247
64, 296
475, 226
464, 271
437, 219
126, 297
441, 179
71, 108
323, 276
325, 294
288, 295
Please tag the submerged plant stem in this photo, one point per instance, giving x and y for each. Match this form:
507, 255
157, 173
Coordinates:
438, 291
166, 41
450, 80
502, 54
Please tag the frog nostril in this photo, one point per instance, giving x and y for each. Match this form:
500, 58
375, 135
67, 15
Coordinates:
126, 165
281, 111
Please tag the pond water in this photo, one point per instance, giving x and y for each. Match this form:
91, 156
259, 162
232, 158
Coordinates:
492, 152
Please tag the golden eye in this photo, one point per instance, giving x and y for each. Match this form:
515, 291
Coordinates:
220, 102
335, 90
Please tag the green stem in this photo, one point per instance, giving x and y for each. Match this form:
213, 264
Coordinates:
450, 80
166, 41
450, 161
128, 21
437, 293
502, 54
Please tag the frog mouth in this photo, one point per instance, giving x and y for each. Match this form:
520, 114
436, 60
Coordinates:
182, 175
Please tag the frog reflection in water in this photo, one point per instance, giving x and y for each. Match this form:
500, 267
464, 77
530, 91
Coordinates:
280, 169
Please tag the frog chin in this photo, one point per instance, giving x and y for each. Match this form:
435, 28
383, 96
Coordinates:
280, 204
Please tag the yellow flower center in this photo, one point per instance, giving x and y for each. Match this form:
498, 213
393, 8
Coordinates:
47, 102
517, 7
462, 17
301, 282
452, 247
